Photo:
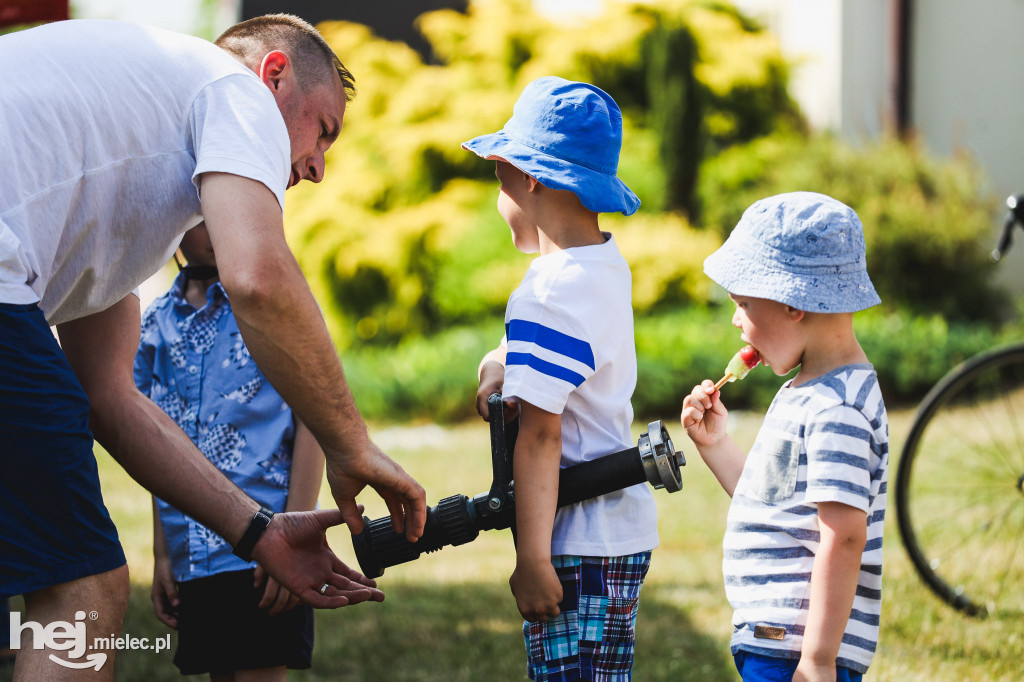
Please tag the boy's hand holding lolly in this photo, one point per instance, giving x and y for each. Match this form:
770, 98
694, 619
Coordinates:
706, 425
746, 359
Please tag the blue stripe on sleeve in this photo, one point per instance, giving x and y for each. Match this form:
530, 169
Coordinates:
544, 367
553, 340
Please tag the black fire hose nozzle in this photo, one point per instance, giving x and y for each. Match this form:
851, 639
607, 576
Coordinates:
458, 519
451, 522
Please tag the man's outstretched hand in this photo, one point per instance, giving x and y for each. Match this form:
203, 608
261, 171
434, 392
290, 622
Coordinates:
294, 550
405, 498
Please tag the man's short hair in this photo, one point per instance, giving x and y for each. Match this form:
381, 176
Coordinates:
251, 39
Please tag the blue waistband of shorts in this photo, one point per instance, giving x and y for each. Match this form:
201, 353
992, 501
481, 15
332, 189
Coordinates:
19, 307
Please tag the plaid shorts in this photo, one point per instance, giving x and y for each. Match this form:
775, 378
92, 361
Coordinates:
592, 638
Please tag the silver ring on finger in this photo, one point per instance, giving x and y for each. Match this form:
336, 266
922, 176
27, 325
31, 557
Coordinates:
323, 589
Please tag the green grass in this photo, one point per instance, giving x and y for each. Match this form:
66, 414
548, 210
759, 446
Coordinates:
449, 615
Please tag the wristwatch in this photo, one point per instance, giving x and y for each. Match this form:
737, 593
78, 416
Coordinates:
258, 524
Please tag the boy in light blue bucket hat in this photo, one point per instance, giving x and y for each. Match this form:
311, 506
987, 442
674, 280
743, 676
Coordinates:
567, 365
803, 540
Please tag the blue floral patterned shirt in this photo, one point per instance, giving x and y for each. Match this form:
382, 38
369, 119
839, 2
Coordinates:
194, 365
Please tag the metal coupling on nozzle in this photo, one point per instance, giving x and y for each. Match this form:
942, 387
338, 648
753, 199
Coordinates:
660, 459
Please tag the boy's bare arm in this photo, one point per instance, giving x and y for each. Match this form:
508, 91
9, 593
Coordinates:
164, 593
535, 468
704, 418
307, 473
491, 376
833, 586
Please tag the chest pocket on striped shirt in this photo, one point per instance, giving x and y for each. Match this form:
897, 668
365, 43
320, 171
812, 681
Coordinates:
773, 471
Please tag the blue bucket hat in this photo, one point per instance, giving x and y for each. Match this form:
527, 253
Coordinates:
802, 249
568, 136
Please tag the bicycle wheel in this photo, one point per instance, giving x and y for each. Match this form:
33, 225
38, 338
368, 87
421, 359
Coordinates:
960, 485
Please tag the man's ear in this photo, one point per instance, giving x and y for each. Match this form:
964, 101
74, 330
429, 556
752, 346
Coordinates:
795, 314
532, 183
274, 69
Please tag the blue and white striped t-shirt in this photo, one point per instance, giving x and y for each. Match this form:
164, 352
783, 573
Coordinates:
570, 351
824, 441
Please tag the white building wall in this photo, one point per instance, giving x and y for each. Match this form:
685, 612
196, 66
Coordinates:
841, 55
967, 96
967, 84
867, 68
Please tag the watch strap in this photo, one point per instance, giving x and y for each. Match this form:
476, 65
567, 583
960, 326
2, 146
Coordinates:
258, 524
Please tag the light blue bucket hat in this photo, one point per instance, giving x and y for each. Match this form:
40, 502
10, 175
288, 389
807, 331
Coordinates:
567, 135
802, 249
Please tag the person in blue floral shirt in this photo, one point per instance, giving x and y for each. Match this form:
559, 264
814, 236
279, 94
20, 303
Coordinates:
191, 361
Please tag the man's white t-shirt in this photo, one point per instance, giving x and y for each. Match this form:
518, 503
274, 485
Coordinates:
104, 129
570, 351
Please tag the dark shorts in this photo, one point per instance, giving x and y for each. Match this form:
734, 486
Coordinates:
54, 527
220, 628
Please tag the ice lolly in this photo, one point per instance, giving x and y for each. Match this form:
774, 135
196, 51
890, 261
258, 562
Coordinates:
746, 359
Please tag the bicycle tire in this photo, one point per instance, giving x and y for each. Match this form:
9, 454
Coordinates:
960, 485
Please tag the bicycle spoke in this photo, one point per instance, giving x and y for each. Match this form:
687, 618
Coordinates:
1014, 420
1009, 575
938, 487
979, 588
983, 415
940, 521
958, 436
963, 580
949, 512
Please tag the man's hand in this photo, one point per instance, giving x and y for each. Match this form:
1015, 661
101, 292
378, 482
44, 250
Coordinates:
537, 590
293, 549
405, 498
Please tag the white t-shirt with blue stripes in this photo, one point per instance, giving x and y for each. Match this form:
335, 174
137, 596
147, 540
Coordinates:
824, 441
569, 333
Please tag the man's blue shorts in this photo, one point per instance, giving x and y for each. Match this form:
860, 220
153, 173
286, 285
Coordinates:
54, 527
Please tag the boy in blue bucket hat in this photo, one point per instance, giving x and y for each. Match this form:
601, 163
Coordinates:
567, 365
803, 540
